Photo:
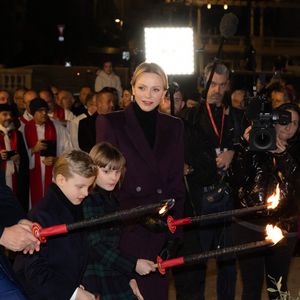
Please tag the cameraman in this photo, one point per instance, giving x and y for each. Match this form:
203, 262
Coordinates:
260, 172
208, 155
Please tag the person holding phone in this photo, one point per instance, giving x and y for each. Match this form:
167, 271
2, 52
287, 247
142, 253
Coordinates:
14, 156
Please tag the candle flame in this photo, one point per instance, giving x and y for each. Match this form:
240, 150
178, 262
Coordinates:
274, 233
273, 200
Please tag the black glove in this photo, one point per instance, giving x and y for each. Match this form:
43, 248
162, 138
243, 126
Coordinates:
170, 248
155, 224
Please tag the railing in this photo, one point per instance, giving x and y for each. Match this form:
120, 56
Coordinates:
11, 79
42, 76
270, 43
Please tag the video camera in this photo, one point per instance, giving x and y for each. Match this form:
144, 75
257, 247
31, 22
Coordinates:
263, 134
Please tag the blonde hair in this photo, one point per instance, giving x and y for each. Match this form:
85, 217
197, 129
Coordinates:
104, 154
75, 162
149, 68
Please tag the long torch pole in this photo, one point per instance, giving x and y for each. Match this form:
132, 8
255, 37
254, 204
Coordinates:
160, 208
162, 265
173, 223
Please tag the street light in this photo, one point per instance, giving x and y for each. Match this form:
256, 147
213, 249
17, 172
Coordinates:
119, 21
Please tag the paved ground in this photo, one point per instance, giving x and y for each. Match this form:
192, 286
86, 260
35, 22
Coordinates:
293, 283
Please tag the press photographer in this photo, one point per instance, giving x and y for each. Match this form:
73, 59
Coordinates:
262, 134
257, 175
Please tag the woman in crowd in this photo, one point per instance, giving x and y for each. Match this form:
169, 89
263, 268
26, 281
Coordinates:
263, 170
152, 144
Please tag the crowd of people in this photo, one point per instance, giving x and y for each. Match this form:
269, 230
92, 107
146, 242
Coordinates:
65, 159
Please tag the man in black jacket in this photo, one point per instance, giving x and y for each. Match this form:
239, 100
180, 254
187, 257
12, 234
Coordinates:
208, 154
87, 126
15, 235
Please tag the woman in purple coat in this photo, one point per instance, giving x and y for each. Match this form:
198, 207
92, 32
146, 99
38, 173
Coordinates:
152, 144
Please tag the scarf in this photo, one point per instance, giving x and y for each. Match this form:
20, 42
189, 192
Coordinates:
8, 141
36, 184
59, 113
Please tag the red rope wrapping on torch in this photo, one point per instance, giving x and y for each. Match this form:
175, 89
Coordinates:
163, 265
41, 233
172, 224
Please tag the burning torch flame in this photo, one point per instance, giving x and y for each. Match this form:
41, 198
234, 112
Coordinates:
273, 200
167, 206
274, 233
163, 210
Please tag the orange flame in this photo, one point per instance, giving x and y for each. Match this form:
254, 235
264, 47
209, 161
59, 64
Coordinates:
274, 233
163, 210
274, 199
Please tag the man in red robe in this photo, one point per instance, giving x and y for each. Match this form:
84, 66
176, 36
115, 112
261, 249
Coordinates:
13, 155
45, 140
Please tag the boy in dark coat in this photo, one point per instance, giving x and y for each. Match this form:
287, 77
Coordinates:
56, 271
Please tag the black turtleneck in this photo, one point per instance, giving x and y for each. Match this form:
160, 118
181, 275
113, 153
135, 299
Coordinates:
147, 121
76, 210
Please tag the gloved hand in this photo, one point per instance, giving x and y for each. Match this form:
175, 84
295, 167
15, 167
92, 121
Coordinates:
170, 248
155, 224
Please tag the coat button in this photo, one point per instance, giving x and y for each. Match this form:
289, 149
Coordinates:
138, 189
159, 191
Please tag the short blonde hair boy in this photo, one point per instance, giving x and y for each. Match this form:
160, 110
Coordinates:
75, 162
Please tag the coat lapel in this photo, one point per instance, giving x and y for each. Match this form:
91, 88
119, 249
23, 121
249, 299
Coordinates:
138, 139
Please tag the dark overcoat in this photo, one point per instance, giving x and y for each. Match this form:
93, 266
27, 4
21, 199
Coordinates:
151, 175
108, 271
10, 213
87, 133
57, 269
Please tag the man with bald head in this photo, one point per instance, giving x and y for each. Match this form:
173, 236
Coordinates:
27, 116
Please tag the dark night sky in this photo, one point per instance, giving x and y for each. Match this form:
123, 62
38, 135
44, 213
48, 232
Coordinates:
29, 34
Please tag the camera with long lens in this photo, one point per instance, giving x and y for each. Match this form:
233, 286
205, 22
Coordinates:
263, 134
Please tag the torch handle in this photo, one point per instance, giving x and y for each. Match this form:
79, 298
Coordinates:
228, 213
163, 265
135, 212
122, 214
195, 258
42, 233
192, 259
173, 223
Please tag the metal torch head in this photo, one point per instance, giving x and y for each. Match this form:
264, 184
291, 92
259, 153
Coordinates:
165, 206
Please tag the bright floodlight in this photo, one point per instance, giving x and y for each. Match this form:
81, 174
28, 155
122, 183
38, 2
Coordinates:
171, 48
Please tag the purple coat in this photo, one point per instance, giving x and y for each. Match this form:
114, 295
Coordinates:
151, 175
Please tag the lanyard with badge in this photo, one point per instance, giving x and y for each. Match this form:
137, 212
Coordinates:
217, 133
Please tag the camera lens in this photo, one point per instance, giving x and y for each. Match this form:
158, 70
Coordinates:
263, 139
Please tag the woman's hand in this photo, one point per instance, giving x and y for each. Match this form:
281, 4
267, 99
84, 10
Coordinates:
281, 146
